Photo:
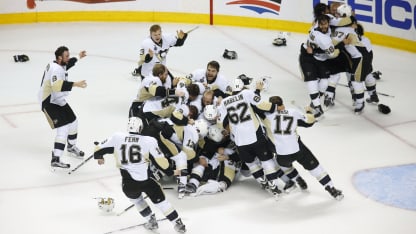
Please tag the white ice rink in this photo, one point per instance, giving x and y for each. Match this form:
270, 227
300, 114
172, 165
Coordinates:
35, 200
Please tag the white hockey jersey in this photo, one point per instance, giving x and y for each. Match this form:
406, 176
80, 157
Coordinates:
341, 33
147, 88
220, 82
54, 84
132, 152
283, 126
160, 51
323, 41
164, 107
243, 121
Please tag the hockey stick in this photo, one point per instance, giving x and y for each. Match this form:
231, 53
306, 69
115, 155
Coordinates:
132, 205
382, 94
79, 165
83, 162
131, 227
128, 208
192, 29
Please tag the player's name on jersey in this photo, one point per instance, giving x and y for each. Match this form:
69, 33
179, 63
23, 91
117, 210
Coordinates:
233, 99
283, 112
131, 139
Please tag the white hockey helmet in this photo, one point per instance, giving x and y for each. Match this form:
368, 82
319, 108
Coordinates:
135, 125
344, 10
238, 85
215, 133
106, 204
210, 112
201, 126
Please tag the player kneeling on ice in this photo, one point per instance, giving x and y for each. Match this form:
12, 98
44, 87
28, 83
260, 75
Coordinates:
133, 153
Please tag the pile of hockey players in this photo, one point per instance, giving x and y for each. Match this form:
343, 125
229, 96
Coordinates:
197, 130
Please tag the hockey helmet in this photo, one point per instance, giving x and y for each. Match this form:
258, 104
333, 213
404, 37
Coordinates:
281, 39
135, 125
210, 112
384, 109
106, 204
344, 10
229, 54
238, 85
201, 127
215, 133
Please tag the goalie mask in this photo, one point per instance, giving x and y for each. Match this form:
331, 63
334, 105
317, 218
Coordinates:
106, 204
229, 54
135, 125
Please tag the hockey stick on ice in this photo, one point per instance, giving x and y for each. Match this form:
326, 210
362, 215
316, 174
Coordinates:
132, 205
192, 29
83, 162
382, 94
131, 227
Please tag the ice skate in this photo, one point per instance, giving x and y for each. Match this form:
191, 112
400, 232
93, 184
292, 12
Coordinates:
318, 112
56, 163
301, 183
179, 226
181, 190
190, 188
152, 223
263, 183
359, 107
289, 186
337, 194
74, 151
328, 102
274, 190
373, 99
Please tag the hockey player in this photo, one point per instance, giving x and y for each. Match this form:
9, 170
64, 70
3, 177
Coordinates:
370, 80
359, 56
54, 89
159, 108
214, 80
237, 114
289, 147
153, 86
313, 67
133, 153
155, 48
